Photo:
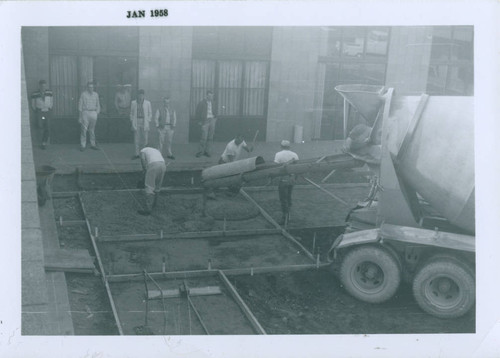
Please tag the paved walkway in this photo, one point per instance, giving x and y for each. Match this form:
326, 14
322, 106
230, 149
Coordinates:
118, 156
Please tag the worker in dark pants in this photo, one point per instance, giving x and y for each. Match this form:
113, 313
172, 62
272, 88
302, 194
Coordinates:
286, 183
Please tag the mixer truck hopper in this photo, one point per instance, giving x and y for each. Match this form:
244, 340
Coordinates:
418, 223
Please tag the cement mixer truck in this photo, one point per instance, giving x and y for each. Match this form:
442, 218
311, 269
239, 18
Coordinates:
417, 225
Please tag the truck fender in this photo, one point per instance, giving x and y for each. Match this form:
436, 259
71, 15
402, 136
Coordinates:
351, 239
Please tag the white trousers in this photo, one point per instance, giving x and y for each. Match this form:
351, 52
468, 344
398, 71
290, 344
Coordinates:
154, 177
87, 123
165, 136
140, 139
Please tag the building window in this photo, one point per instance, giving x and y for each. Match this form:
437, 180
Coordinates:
451, 69
106, 55
239, 86
69, 76
234, 63
355, 55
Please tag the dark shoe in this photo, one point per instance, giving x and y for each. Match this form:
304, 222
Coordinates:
206, 154
144, 212
199, 154
94, 147
170, 157
82, 149
135, 157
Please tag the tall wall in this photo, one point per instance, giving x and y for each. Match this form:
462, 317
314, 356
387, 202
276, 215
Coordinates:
409, 56
35, 319
35, 42
293, 90
165, 66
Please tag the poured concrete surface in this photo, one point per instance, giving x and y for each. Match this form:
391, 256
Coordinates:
115, 213
311, 207
193, 254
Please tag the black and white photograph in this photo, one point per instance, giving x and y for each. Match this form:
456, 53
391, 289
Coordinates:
183, 175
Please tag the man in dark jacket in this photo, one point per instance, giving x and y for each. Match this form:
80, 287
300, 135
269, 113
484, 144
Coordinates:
41, 103
206, 117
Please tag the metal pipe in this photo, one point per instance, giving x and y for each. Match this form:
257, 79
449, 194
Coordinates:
270, 170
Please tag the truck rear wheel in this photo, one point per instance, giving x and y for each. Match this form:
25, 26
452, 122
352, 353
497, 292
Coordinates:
445, 288
370, 273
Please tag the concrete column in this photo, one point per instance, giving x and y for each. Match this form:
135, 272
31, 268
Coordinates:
293, 89
165, 66
35, 42
408, 60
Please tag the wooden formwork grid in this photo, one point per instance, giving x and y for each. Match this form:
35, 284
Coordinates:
199, 273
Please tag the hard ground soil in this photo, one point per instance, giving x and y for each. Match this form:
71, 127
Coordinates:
307, 302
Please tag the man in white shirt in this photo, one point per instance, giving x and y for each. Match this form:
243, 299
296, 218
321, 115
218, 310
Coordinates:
89, 108
140, 116
285, 184
233, 150
154, 167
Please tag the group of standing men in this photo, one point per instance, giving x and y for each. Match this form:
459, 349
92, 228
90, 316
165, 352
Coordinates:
140, 112
165, 118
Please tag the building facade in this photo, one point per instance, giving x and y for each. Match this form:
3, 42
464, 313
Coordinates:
270, 79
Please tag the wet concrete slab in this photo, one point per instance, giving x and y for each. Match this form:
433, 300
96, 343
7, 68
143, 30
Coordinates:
311, 207
194, 254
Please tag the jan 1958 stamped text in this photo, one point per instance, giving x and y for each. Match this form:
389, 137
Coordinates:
132, 14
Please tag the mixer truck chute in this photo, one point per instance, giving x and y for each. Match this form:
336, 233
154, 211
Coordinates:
418, 225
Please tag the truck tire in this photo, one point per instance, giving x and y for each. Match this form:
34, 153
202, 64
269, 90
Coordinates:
445, 287
370, 273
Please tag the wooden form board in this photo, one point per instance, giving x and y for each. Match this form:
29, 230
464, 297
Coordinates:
69, 261
193, 291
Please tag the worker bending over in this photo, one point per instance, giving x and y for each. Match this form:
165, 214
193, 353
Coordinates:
286, 183
154, 168
233, 149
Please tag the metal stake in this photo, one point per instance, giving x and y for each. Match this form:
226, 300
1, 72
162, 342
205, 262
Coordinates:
314, 242
147, 300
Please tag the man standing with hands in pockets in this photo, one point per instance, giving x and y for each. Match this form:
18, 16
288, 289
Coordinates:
165, 119
140, 116
206, 116
89, 108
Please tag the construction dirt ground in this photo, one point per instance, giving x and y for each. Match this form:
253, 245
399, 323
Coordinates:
280, 301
